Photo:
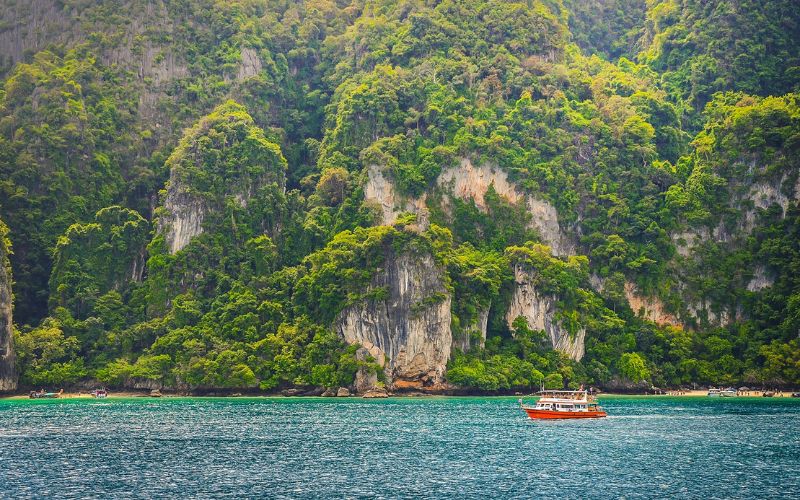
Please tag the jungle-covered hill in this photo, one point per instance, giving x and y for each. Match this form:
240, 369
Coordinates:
479, 195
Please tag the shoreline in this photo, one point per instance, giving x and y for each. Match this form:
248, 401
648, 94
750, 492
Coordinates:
127, 394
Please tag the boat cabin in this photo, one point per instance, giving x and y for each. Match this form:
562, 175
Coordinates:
563, 404
565, 401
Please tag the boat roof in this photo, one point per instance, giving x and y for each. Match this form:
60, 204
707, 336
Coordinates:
561, 392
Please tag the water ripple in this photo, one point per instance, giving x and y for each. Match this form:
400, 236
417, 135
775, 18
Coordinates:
396, 448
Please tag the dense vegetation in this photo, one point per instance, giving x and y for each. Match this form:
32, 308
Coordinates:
666, 134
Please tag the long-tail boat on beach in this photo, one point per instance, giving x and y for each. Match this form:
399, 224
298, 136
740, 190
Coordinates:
45, 395
563, 404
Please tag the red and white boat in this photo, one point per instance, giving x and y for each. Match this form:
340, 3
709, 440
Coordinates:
564, 404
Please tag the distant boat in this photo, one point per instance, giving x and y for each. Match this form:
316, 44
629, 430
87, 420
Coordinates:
45, 395
768, 394
99, 393
564, 404
725, 393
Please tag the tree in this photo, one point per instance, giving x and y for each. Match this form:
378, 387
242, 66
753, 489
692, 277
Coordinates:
633, 367
554, 381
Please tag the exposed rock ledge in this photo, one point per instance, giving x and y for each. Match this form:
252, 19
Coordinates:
183, 219
650, 308
474, 333
467, 181
759, 195
380, 190
8, 378
539, 311
410, 329
250, 65
184, 215
760, 279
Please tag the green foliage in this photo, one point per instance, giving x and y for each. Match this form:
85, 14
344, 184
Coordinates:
48, 357
62, 145
494, 373
702, 47
91, 259
267, 115
608, 27
632, 367
554, 381
224, 152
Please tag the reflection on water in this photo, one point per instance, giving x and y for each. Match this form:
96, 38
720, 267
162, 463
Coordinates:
432, 447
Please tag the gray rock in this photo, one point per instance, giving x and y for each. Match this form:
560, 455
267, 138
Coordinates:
8, 376
410, 329
366, 378
377, 392
343, 392
474, 332
539, 310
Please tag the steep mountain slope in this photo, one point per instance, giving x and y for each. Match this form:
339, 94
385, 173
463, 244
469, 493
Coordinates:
264, 194
8, 376
702, 47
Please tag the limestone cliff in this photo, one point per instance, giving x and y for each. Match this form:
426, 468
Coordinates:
8, 377
250, 65
380, 190
748, 197
183, 218
31, 25
467, 181
650, 308
225, 156
761, 279
473, 333
540, 311
409, 331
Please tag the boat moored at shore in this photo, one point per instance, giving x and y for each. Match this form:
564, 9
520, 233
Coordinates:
41, 394
730, 392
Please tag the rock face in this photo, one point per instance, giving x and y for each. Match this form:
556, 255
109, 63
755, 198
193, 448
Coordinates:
468, 181
410, 329
250, 65
366, 380
760, 279
31, 25
380, 190
8, 376
184, 216
763, 195
702, 312
539, 310
378, 392
650, 308
474, 334
200, 184
748, 195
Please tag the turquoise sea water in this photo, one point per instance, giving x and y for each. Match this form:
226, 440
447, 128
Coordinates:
404, 447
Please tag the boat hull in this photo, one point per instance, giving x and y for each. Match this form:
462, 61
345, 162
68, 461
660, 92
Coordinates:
552, 414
